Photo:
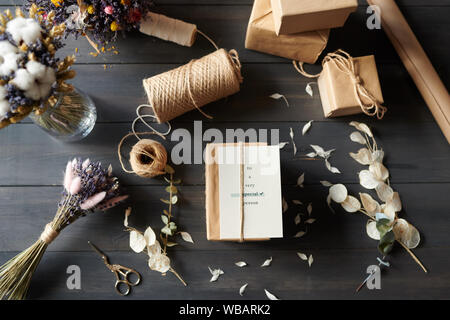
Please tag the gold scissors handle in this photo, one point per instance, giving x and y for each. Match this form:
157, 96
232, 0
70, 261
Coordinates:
123, 281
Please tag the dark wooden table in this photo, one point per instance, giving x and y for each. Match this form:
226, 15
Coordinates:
418, 156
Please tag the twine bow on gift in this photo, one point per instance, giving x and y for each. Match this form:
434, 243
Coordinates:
344, 62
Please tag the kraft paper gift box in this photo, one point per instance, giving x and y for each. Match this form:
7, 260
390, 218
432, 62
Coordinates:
267, 211
293, 16
337, 89
261, 36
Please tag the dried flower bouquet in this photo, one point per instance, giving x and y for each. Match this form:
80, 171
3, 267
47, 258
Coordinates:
31, 77
87, 187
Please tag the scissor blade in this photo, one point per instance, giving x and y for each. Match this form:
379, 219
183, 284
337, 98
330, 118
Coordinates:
97, 250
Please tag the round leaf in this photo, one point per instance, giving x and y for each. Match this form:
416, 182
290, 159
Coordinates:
379, 171
137, 241
351, 204
357, 137
338, 193
367, 180
384, 191
371, 206
372, 231
363, 156
150, 236
406, 233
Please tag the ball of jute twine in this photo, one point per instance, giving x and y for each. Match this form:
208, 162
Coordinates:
148, 158
193, 85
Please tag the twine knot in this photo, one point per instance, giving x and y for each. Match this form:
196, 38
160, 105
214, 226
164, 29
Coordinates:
49, 234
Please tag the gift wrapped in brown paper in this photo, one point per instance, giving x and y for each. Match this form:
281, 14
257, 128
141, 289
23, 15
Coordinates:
293, 16
261, 37
240, 204
348, 85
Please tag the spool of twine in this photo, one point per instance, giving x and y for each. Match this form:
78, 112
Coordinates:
169, 29
148, 158
49, 234
194, 85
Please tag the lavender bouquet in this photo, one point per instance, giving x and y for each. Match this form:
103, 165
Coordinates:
103, 20
31, 77
87, 187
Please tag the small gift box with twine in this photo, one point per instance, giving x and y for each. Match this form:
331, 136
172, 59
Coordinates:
261, 36
348, 85
293, 16
243, 204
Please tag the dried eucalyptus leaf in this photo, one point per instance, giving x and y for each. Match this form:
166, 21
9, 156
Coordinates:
357, 137
379, 171
338, 193
164, 219
174, 199
369, 204
326, 183
311, 155
406, 233
171, 244
309, 208
384, 191
363, 156
309, 90
377, 156
297, 219
310, 221
186, 237
329, 203
150, 236
351, 204
267, 263
330, 167
362, 127
167, 230
285, 205
241, 264
306, 127
310, 260
299, 234
242, 289
291, 134
137, 241
278, 96
283, 144
302, 256
319, 150
368, 180
301, 180
372, 231
297, 202
270, 295
216, 273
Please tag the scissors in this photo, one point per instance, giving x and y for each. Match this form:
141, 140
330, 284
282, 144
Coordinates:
123, 285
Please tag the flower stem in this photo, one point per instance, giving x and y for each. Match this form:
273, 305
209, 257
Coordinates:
413, 256
178, 276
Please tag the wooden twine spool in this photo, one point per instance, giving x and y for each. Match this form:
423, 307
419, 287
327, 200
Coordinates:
148, 158
194, 85
169, 29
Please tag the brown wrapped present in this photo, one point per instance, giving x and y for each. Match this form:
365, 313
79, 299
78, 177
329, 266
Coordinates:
261, 36
293, 16
348, 85
261, 219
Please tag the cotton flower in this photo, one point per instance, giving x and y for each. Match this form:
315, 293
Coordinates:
24, 29
8, 58
36, 80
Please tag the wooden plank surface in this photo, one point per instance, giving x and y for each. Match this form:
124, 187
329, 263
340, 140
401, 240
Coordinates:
418, 158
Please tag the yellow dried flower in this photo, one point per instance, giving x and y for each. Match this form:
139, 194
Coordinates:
114, 26
57, 3
91, 9
125, 2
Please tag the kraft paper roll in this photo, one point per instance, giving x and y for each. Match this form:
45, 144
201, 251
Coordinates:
416, 62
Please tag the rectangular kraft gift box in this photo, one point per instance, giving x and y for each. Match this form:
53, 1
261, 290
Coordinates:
337, 89
293, 16
212, 194
261, 36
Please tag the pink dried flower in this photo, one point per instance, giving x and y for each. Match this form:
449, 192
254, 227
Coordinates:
109, 10
93, 201
75, 186
68, 176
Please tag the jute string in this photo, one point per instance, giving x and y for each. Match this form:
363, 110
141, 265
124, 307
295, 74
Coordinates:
49, 234
241, 178
345, 63
148, 158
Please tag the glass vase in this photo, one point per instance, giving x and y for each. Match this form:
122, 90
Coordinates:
71, 118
